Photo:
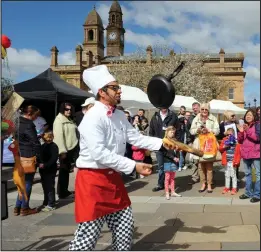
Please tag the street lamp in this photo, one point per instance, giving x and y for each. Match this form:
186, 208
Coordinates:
249, 104
255, 102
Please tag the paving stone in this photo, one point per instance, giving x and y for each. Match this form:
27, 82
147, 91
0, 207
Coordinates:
179, 208
172, 247
163, 234
65, 207
241, 246
231, 209
59, 219
210, 200
251, 218
139, 199
217, 234
144, 207
237, 201
209, 219
147, 193
14, 245
148, 219
64, 232
172, 200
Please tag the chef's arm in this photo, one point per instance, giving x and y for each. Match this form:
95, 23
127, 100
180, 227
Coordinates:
143, 142
95, 137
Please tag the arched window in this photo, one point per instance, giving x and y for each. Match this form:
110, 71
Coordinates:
113, 18
90, 35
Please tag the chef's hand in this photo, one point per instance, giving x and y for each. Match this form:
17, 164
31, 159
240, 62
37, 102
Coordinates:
143, 169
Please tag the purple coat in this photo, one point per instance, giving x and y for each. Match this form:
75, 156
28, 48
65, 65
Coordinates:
250, 144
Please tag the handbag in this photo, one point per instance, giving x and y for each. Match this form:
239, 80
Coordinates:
28, 164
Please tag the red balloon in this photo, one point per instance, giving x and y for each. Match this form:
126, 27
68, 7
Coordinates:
6, 42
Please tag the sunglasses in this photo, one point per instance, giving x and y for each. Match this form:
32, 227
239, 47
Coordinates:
233, 115
115, 88
67, 109
204, 109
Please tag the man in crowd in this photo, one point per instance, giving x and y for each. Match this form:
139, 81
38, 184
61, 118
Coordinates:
195, 175
158, 125
182, 111
141, 114
89, 102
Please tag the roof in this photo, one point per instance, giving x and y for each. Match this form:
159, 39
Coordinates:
210, 56
115, 7
93, 18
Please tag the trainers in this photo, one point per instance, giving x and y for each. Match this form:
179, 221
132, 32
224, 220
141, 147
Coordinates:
225, 190
185, 167
233, 191
179, 169
175, 194
48, 209
167, 196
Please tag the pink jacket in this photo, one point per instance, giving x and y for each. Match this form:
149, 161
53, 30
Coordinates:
250, 144
138, 154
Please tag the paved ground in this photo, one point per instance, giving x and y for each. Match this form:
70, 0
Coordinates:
194, 222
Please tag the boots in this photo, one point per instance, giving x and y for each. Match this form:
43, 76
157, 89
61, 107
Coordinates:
28, 211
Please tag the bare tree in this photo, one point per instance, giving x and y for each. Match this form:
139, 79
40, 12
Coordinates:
195, 79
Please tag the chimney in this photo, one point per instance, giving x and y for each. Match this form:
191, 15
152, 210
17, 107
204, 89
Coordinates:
97, 60
222, 57
149, 55
54, 56
89, 59
78, 51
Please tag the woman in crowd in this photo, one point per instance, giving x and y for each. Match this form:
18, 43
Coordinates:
29, 147
205, 123
65, 136
230, 119
250, 152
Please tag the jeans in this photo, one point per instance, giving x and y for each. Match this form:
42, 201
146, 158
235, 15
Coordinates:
181, 159
230, 173
29, 178
160, 160
48, 184
64, 172
248, 174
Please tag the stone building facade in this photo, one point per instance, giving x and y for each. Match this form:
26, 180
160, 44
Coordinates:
228, 66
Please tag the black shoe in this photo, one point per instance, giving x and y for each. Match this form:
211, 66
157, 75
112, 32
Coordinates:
157, 188
254, 200
210, 191
243, 196
63, 196
201, 191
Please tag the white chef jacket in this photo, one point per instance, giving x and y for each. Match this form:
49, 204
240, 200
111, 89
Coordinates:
103, 140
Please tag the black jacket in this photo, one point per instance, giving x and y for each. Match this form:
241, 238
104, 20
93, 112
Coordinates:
169, 155
78, 117
156, 123
29, 144
49, 157
184, 128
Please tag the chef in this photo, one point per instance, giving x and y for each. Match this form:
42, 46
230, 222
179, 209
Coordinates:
100, 194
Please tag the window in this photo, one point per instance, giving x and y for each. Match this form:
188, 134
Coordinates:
90, 35
113, 18
231, 93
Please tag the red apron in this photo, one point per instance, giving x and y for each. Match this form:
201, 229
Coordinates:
99, 192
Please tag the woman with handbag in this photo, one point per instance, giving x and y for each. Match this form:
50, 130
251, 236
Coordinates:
205, 123
29, 149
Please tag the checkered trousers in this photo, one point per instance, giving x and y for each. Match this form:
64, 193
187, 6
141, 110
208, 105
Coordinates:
121, 224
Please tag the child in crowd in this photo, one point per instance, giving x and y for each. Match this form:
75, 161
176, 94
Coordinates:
230, 150
138, 155
171, 163
48, 169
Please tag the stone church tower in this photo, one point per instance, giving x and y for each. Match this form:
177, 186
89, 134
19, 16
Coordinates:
93, 35
115, 31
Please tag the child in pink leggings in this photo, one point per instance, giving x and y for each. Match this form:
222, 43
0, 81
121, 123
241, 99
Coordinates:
171, 162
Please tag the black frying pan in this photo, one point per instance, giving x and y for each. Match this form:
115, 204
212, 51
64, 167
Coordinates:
161, 91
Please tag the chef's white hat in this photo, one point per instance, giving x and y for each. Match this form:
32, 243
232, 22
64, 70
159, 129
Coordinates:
97, 77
